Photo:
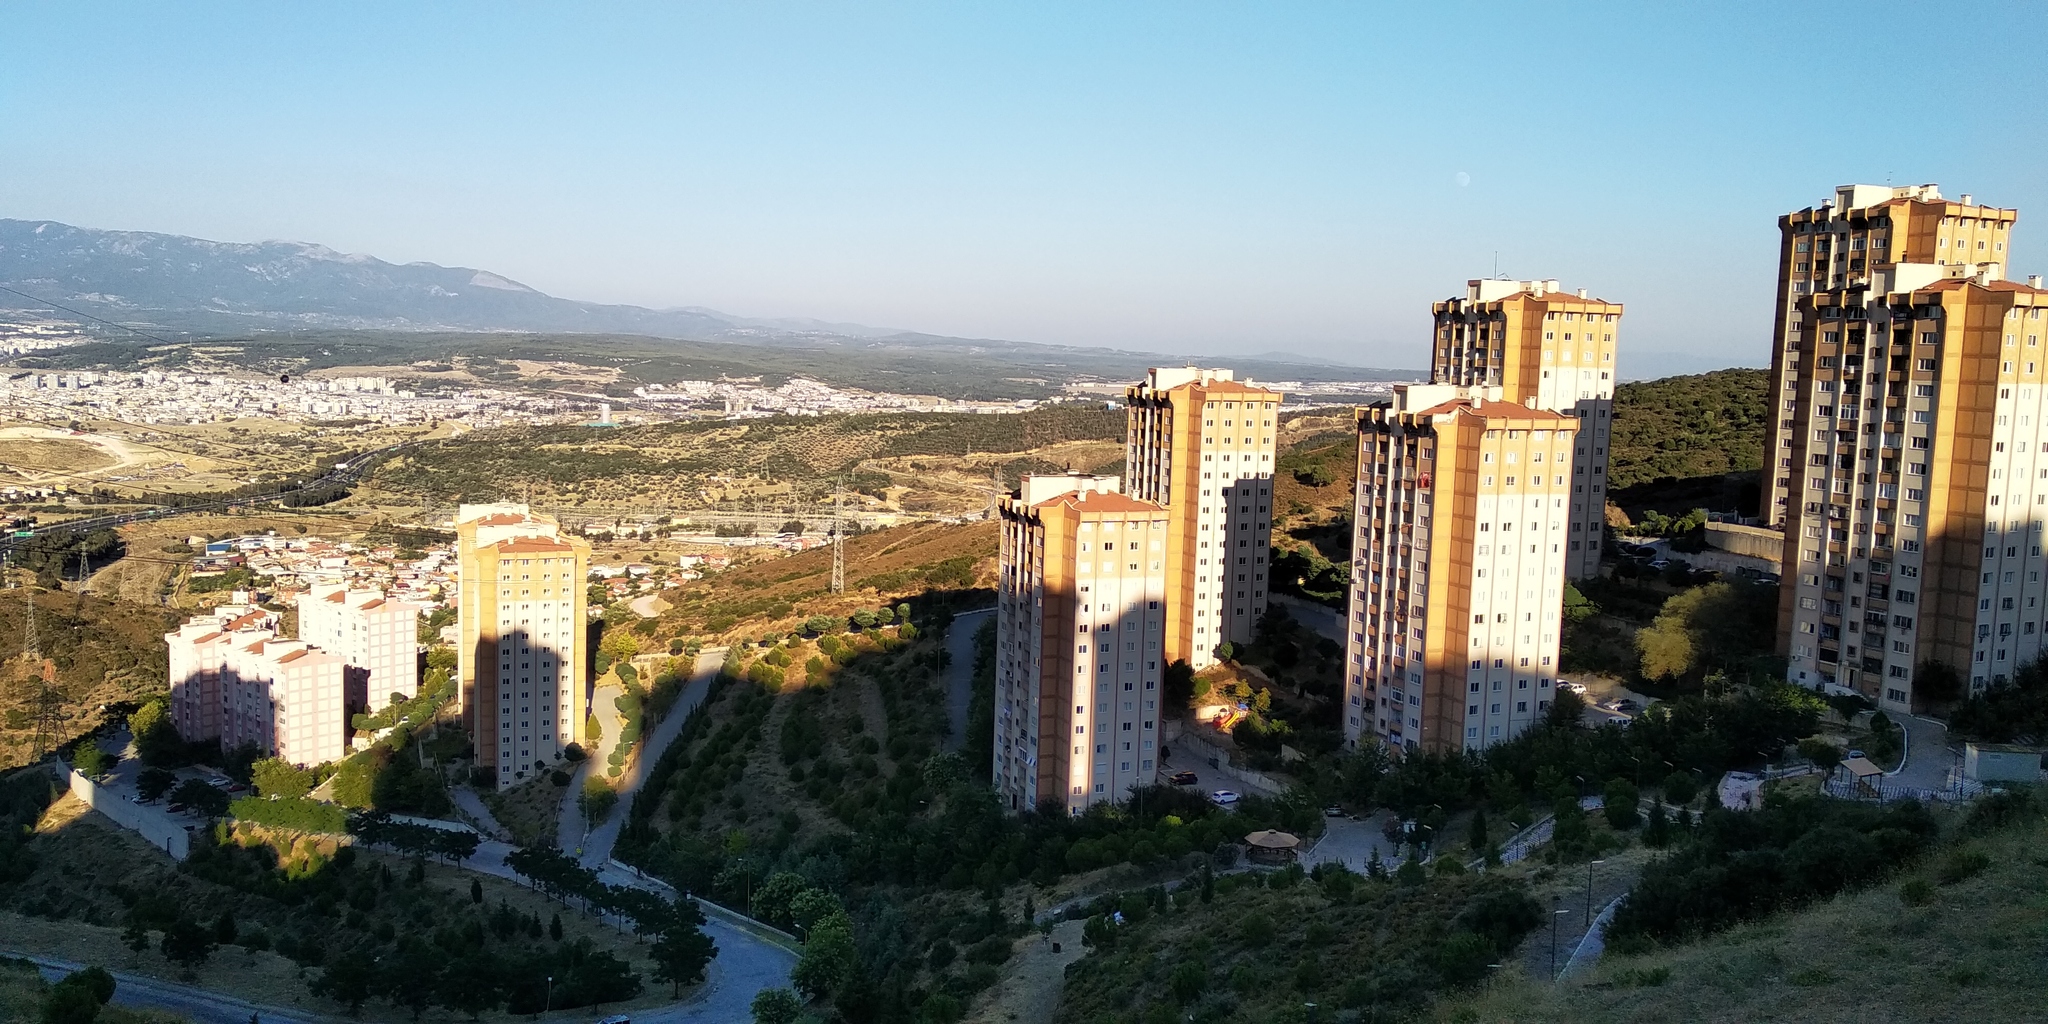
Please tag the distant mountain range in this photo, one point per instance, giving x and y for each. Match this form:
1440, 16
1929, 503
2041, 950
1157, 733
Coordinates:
224, 288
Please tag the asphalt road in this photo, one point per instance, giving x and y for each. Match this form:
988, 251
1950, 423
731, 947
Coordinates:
960, 672
596, 848
202, 1006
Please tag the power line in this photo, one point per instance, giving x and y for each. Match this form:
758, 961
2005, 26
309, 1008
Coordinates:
88, 316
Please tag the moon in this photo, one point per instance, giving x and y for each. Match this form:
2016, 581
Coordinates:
1462, 179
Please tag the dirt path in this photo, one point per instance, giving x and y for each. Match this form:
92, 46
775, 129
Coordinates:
1030, 992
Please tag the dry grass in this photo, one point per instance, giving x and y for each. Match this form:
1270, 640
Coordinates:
22, 989
1972, 952
531, 811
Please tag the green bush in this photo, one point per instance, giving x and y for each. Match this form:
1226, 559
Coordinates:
296, 814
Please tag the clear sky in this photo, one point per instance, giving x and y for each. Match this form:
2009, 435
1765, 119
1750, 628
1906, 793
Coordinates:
1178, 177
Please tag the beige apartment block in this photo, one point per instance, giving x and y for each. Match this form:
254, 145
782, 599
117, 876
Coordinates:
377, 637
1081, 619
525, 682
1545, 349
1459, 564
1201, 444
1866, 240
1910, 459
233, 680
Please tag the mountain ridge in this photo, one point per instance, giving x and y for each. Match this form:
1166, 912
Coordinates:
210, 286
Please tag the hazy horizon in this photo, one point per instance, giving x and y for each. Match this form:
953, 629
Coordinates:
1208, 180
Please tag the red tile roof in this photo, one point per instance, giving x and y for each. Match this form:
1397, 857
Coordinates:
1100, 501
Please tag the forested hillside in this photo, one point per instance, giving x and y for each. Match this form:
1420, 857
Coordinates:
1698, 425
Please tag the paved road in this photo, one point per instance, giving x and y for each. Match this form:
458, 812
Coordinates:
597, 846
960, 672
1930, 764
480, 814
202, 1006
1192, 753
570, 828
1352, 842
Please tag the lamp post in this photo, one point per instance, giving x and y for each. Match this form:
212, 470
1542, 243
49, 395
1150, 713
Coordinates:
1589, 892
1555, 913
549, 1003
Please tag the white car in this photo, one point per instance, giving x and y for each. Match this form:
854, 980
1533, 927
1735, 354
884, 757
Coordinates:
1223, 797
1578, 688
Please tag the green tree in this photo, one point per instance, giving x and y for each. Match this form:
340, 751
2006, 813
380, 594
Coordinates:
224, 930
597, 799
1680, 787
69, 1004
1475, 837
819, 625
1619, 804
829, 959
772, 899
683, 950
810, 906
347, 980
156, 739
1569, 832
275, 777
201, 797
186, 944
88, 759
776, 1006
476, 891
154, 783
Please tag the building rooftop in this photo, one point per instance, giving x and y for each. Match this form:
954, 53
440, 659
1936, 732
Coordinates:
1100, 501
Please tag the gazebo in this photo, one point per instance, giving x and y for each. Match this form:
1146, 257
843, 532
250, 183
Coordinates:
1272, 847
1863, 776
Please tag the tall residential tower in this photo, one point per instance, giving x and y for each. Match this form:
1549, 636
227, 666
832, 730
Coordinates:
1201, 444
1081, 615
1545, 349
1909, 460
1458, 567
522, 659
376, 636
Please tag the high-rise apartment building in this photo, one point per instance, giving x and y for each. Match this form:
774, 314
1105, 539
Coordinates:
1081, 618
378, 638
1544, 349
522, 616
1201, 444
1858, 243
1458, 567
1909, 463
233, 680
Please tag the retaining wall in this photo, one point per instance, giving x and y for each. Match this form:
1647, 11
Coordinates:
161, 829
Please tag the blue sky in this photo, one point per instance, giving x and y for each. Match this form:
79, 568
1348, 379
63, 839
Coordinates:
1180, 177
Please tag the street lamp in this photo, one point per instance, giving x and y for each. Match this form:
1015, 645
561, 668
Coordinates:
549, 1004
1554, 915
1589, 892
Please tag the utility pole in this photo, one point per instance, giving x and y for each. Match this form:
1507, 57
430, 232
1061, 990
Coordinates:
46, 670
838, 541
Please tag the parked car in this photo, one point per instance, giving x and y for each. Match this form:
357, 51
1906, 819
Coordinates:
1183, 778
1223, 797
1333, 811
1661, 564
1628, 706
1578, 688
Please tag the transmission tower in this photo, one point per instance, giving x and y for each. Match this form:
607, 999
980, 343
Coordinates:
838, 543
46, 671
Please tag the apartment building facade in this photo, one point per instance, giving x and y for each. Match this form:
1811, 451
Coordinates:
1081, 619
377, 637
235, 681
522, 615
1459, 564
1911, 467
1201, 444
1543, 348
1866, 239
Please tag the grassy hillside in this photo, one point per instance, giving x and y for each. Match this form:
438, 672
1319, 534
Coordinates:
669, 464
1697, 425
106, 652
1957, 936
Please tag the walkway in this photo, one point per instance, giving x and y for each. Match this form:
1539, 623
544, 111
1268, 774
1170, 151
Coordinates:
480, 816
1320, 619
960, 672
596, 847
1929, 763
203, 1007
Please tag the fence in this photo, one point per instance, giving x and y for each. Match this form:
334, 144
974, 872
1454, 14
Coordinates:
162, 830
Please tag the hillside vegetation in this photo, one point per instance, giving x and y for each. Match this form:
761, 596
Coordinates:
106, 652
1956, 936
670, 464
1697, 425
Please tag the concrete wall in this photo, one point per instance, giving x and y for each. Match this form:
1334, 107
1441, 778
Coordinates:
1991, 763
163, 831
1753, 541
